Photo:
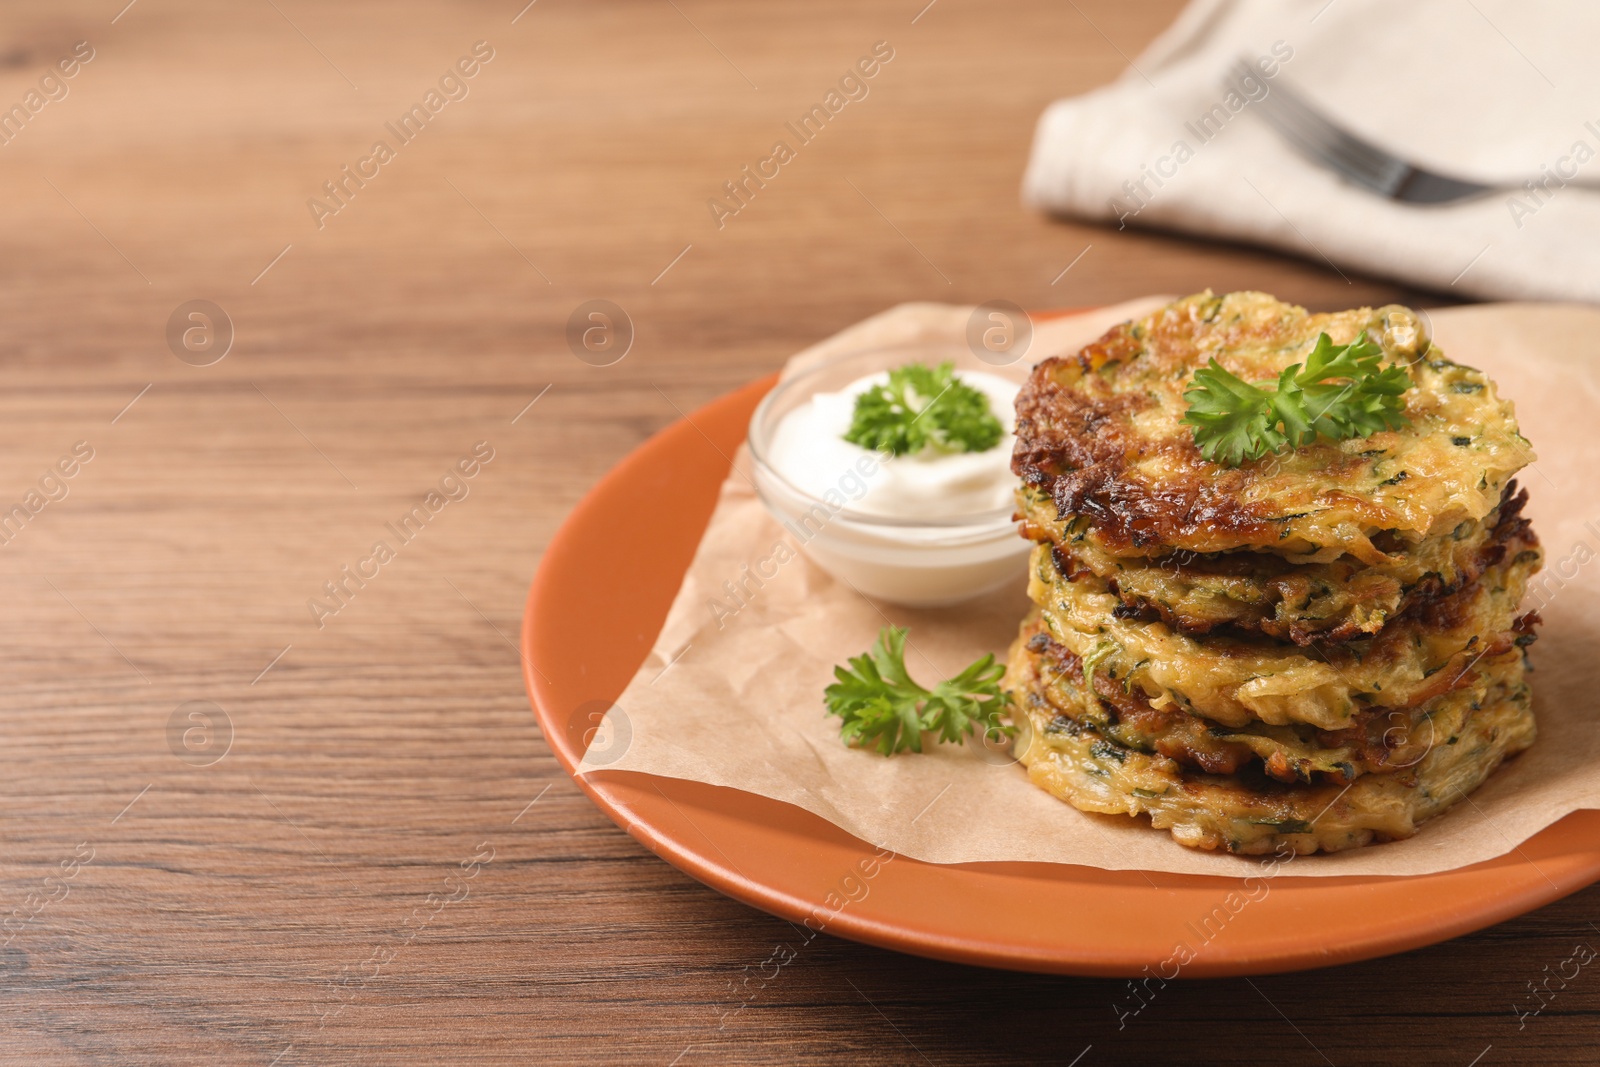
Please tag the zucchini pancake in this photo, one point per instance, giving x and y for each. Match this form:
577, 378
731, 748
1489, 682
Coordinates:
1307, 637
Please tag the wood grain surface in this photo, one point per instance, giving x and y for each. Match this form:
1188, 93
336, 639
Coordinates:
233, 831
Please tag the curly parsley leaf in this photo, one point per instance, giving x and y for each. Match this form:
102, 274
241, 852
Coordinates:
882, 707
1341, 391
924, 407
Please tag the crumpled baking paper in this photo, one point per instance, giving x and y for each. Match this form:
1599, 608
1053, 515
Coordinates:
733, 697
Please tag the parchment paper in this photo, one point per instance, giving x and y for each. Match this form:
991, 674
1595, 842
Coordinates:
736, 700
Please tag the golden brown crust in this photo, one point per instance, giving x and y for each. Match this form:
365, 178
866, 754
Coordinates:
1239, 680
1378, 740
1261, 592
1102, 433
1249, 813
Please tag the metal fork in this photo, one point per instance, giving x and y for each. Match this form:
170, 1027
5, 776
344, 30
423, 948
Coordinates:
1319, 139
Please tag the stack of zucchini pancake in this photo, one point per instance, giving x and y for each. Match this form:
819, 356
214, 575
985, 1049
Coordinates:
1315, 646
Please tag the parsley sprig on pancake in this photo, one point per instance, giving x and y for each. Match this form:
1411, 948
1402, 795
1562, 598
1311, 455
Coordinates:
1341, 391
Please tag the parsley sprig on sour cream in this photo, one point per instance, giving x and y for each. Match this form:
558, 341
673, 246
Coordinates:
922, 407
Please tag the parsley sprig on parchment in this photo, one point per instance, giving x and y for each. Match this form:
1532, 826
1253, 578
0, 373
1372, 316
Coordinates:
1342, 391
921, 406
884, 708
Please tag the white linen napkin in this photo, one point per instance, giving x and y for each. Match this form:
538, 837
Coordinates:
1493, 91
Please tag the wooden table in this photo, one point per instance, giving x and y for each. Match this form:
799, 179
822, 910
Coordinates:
240, 830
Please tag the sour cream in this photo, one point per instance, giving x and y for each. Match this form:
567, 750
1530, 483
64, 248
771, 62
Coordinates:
808, 450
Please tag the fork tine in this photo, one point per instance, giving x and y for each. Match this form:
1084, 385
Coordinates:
1313, 134
1292, 108
1308, 116
1327, 145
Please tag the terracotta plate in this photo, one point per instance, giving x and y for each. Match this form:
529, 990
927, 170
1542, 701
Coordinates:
598, 600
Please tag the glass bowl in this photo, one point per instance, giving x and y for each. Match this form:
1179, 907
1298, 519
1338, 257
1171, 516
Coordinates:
927, 561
